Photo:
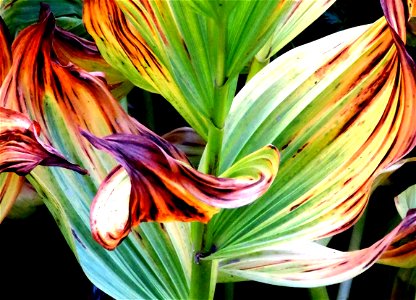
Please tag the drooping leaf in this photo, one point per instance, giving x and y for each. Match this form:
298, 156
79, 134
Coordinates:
63, 99
308, 264
340, 110
21, 149
164, 186
70, 48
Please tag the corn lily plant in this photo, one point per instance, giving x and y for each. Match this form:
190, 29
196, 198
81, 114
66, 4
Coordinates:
287, 160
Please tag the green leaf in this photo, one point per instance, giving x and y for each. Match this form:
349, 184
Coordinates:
333, 108
66, 100
21, 13
308, 264
295, 16
406, 201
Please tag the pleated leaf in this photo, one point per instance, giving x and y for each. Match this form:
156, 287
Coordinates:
188, 51
308, 264
63, 99
340, 109
165, 187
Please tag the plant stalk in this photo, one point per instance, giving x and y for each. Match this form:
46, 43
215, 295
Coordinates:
204, 272
318, 293
221, 101
355, 242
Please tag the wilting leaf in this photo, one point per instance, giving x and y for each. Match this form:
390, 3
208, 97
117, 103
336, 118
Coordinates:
340, 109
165, 187
64, 99
21, 149
70, 48
308, 264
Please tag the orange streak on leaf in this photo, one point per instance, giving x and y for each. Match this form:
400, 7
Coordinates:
21, 150
5, 53
164, 187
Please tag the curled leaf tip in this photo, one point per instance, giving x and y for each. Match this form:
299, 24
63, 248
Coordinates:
156, 182
21, 149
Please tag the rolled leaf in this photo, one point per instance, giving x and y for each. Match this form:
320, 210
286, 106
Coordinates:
406, 201
21, 149
341, 110
164, 186
402, 251
308, 264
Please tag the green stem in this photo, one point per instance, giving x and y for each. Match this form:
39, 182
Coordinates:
319, 293
203, 280
355, 242
229, 291
204, 272
221, 101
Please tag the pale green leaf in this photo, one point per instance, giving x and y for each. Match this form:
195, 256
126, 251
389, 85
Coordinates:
333, 109
406, 201
309, 264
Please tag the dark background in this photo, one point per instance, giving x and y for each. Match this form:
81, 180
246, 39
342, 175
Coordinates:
36, 262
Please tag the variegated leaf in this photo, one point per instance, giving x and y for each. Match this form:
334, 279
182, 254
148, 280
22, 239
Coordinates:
164, 186
10, 186
70, 48
341, 109
63, 99
21, 149
308, 264
188, 51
